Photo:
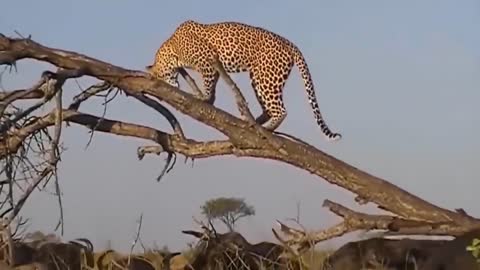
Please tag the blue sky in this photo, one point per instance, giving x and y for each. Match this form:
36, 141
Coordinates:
400, 80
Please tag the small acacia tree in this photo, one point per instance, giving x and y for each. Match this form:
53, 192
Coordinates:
227, 210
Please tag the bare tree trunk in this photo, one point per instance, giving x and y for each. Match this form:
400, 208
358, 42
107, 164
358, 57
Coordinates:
245, 139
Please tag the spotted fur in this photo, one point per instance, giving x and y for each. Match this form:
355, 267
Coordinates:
267, 57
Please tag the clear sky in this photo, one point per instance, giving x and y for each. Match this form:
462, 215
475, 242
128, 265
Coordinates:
400, 80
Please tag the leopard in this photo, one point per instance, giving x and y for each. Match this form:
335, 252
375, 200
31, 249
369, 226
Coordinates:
239, 47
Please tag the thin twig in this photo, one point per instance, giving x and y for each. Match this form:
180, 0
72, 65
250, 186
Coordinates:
92, 131
87, 93
137, 237
20, 94
55, 153
51, 87
46, 88
46, 171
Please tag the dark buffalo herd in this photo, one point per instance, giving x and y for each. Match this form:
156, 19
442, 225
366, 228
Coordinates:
214, 251
232, 251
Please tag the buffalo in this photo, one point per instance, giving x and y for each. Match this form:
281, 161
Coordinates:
232, 251
454, 254
404, 254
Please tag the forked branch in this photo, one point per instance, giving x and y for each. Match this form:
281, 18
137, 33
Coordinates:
355, 221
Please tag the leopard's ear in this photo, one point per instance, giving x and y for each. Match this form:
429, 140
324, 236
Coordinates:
149, 67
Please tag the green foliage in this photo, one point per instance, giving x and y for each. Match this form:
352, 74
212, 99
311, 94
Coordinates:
227, 210
475, 249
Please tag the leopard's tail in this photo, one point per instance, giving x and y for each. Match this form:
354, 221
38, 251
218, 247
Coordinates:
307, 80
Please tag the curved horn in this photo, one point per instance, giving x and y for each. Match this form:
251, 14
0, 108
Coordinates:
88, 243
194, 233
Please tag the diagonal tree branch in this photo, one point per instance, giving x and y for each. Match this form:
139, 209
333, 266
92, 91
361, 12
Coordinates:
243, 138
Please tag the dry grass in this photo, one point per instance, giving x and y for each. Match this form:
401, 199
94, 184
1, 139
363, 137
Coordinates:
314, 258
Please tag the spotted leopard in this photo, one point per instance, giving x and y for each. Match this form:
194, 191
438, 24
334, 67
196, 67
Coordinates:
267, 57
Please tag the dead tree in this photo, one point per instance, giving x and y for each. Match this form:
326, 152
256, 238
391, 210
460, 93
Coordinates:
18, 128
